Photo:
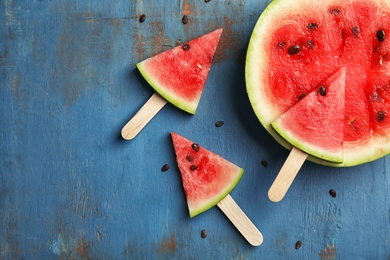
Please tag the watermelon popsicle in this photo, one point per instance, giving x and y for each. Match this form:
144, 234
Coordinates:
178, 76
314, 120
207, 181
297, 45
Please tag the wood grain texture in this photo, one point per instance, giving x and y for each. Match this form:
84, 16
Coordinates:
287, 174
72, 188
241, 221
154, 104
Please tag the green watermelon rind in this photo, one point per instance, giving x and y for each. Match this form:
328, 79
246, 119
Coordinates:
255, 68
253, 77
232, 174
310, 149
185, 105
205, 49
216, 199
336, 90
257, 58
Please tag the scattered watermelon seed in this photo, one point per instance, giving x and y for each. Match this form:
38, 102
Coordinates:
294, 49
380, 35
203, 233
206, 1
165, 168
332, 193
142, 18
380, 116
184, 19
194, 167
219, 123
190, 158
301, 96
195, 146
298, 244
186, 47
312, 26
322, 91
264, 163
355, 30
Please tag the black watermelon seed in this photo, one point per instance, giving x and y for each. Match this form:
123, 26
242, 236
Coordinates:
312, 26
219, 123
380, 35
332, 193
190, 158
335, 11
142, 18
194, 167
195, 146
186, 47
302, 96
323, 91
165, 168
380, 116
203, 233
206, 1
294, 49
356, 30
264, 163
184, 19
298, 244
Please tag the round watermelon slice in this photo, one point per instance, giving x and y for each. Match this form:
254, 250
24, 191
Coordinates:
207, 177
179, 74
297, 45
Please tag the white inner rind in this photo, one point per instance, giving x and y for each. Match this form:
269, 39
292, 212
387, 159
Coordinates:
256, 69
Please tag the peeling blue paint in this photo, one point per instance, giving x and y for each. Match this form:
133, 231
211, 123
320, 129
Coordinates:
71, 188
57, 246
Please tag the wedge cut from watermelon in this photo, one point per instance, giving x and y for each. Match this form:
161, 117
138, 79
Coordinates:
179, 74
207, 177
207, 180
297, 45
315, 124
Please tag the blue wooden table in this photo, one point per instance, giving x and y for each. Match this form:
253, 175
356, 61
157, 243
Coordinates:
72, 188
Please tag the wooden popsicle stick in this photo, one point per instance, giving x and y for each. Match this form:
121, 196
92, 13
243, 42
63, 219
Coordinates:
143, 116
287, 174
240, 221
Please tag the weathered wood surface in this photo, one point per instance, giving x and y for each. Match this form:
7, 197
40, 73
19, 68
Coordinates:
72, 188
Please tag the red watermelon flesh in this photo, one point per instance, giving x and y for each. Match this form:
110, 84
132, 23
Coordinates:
313, 124
207, 177
179, 74
298, 44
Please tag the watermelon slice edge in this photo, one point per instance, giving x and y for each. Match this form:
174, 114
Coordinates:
206, 176
179, 74
315, 123
330, 34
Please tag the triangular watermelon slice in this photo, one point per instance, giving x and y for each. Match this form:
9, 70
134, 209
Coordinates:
207, 177
179, 74
315, 124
